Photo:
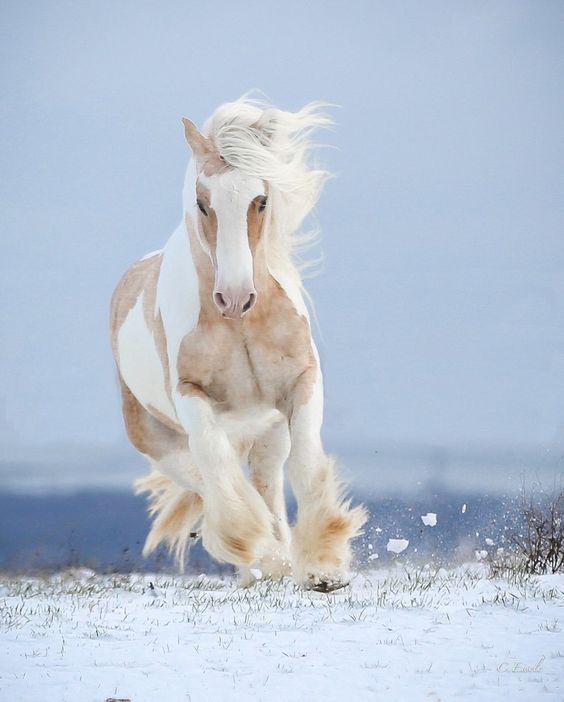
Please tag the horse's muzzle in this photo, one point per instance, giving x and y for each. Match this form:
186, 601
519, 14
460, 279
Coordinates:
234, 304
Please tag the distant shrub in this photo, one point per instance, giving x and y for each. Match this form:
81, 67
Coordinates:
537, 546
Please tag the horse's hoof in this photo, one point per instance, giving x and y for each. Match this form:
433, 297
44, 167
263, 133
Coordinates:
325, 585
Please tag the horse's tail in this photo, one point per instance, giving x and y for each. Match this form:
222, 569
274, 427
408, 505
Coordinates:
176, 514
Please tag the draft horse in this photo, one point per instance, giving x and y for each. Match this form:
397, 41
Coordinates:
217, 365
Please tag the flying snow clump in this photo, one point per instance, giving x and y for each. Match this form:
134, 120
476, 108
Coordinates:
397, 545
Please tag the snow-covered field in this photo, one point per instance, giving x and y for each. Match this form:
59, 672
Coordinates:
394, 634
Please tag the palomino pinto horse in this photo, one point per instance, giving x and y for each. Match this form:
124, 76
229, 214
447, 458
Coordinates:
217, 365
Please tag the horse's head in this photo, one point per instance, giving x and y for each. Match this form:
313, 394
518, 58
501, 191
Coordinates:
230, 208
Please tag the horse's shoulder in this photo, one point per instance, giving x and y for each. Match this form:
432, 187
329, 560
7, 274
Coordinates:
139, 278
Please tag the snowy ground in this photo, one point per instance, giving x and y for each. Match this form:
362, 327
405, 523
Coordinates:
404, 633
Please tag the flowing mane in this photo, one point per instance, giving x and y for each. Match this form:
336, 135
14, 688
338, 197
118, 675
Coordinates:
274, 145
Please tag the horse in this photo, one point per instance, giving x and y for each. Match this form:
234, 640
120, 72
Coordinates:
217, 366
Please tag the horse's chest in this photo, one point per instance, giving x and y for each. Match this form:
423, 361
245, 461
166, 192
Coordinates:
239, 364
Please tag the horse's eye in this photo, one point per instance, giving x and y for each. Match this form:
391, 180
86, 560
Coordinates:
262, 204
202, 207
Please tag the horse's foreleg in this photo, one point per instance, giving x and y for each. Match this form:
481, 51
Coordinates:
325, 523
237, 526
266, 463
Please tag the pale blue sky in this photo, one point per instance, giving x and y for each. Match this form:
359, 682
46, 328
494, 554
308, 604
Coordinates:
442, 297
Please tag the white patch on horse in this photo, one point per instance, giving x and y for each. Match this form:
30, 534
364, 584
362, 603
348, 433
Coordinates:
178, 296
150, 255
291, 284
140, 364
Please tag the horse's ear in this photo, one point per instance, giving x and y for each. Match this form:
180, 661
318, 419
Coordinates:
200, 146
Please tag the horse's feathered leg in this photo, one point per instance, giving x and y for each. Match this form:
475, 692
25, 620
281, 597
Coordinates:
176, 514
325, 522
266, 463
237, 526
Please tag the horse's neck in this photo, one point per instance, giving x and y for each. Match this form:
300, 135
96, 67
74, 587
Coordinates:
178, 296
286, 275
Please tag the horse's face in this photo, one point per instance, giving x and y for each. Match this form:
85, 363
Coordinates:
231, 209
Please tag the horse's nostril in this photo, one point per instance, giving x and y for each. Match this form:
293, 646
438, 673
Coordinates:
250, 302
219, 300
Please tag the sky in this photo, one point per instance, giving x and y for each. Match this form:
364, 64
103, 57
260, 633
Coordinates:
441, 296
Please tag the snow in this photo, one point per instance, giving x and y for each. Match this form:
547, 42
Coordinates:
429, 519
397, 545
403, 633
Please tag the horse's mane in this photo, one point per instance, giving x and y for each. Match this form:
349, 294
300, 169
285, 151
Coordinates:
263, 141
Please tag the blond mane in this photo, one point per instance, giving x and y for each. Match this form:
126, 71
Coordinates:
274, 145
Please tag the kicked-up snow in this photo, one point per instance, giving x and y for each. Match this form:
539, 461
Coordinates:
395, 634
429, 519
397, 545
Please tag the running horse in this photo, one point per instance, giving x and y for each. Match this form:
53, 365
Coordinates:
217, 365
